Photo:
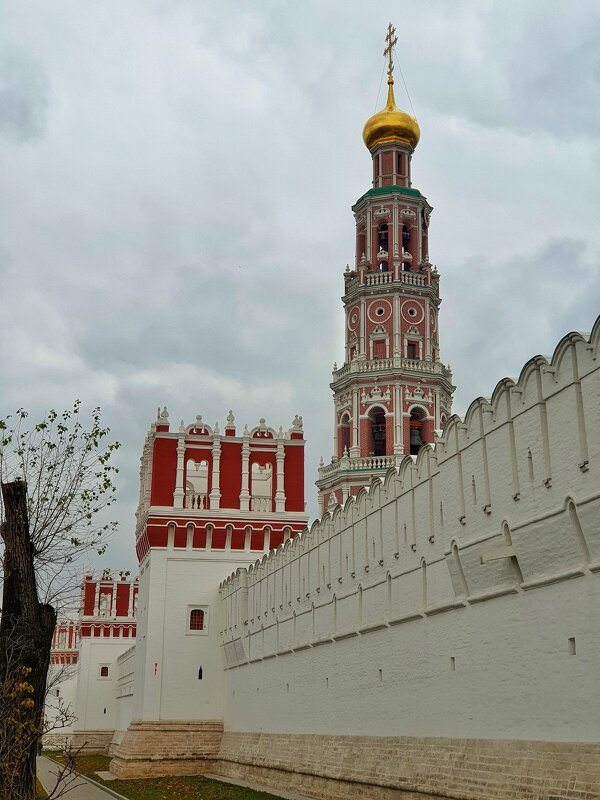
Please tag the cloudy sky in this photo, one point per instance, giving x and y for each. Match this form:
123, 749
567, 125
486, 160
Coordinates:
177, 178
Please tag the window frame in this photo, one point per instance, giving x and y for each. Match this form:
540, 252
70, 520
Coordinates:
196, 607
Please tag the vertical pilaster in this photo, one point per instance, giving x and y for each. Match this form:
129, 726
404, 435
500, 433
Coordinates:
335, 433
398, 437
97, 599
355, 449
130, 601
280, 493
362, 340
215, 492
179, 493
113, 599
245, 493
396, 327
427, 331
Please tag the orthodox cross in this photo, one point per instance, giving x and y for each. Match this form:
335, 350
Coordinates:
390, 41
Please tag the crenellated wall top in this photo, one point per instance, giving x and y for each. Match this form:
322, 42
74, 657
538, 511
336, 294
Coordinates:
534, 435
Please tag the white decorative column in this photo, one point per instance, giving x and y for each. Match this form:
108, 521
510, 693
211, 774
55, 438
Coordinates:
398, 438
215, 492
355, 449
130, 604
335, 433
245, 493
97, 599
396, 327
436, 410
280, 493
113, 600
427, 332
362, 339
179, 493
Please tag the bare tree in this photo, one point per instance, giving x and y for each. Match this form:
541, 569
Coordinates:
56, 477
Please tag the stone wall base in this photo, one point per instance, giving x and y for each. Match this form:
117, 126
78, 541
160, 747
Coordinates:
87, 741
411, 768
168, 747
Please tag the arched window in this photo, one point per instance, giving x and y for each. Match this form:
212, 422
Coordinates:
417, 440
406, 247
196, 619
383, 236
103, 608
344, 435
378, 438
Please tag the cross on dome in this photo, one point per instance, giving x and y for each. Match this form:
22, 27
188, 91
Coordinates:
390, 42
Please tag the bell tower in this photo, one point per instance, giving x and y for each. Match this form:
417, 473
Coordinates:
392, 390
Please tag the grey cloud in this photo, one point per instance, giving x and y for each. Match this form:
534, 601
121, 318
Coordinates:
515, 309
23, 96
190, 140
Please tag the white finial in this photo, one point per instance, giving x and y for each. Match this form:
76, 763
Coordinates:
230, 419
216, 428
321, 462
182, 427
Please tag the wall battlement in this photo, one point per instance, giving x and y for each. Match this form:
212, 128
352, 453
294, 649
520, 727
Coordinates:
506, 501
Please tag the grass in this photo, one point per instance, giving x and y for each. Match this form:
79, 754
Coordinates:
40, 794
179, 788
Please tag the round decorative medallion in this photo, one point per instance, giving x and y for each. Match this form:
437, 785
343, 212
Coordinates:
379, 310
412, 312
353, 319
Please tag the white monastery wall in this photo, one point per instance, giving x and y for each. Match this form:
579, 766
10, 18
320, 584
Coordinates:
95, 708
168, 655
459, 598
124, 693
61, 697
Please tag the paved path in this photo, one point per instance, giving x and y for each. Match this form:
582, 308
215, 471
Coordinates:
79, 789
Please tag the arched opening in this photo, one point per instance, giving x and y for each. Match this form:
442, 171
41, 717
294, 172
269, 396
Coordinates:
361, 240
417, 430
344, 435
405, 247
377, 432
382, 256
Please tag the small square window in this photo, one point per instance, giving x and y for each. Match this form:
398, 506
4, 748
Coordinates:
197, 620
104, 671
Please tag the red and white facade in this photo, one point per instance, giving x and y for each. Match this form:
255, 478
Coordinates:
108, 607
392, 380
83, 661
229, 491
65, 643
210, 502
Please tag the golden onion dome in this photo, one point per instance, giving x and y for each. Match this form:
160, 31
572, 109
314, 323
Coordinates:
391, 125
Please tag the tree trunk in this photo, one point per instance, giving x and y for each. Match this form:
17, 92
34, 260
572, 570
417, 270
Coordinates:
26, 630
